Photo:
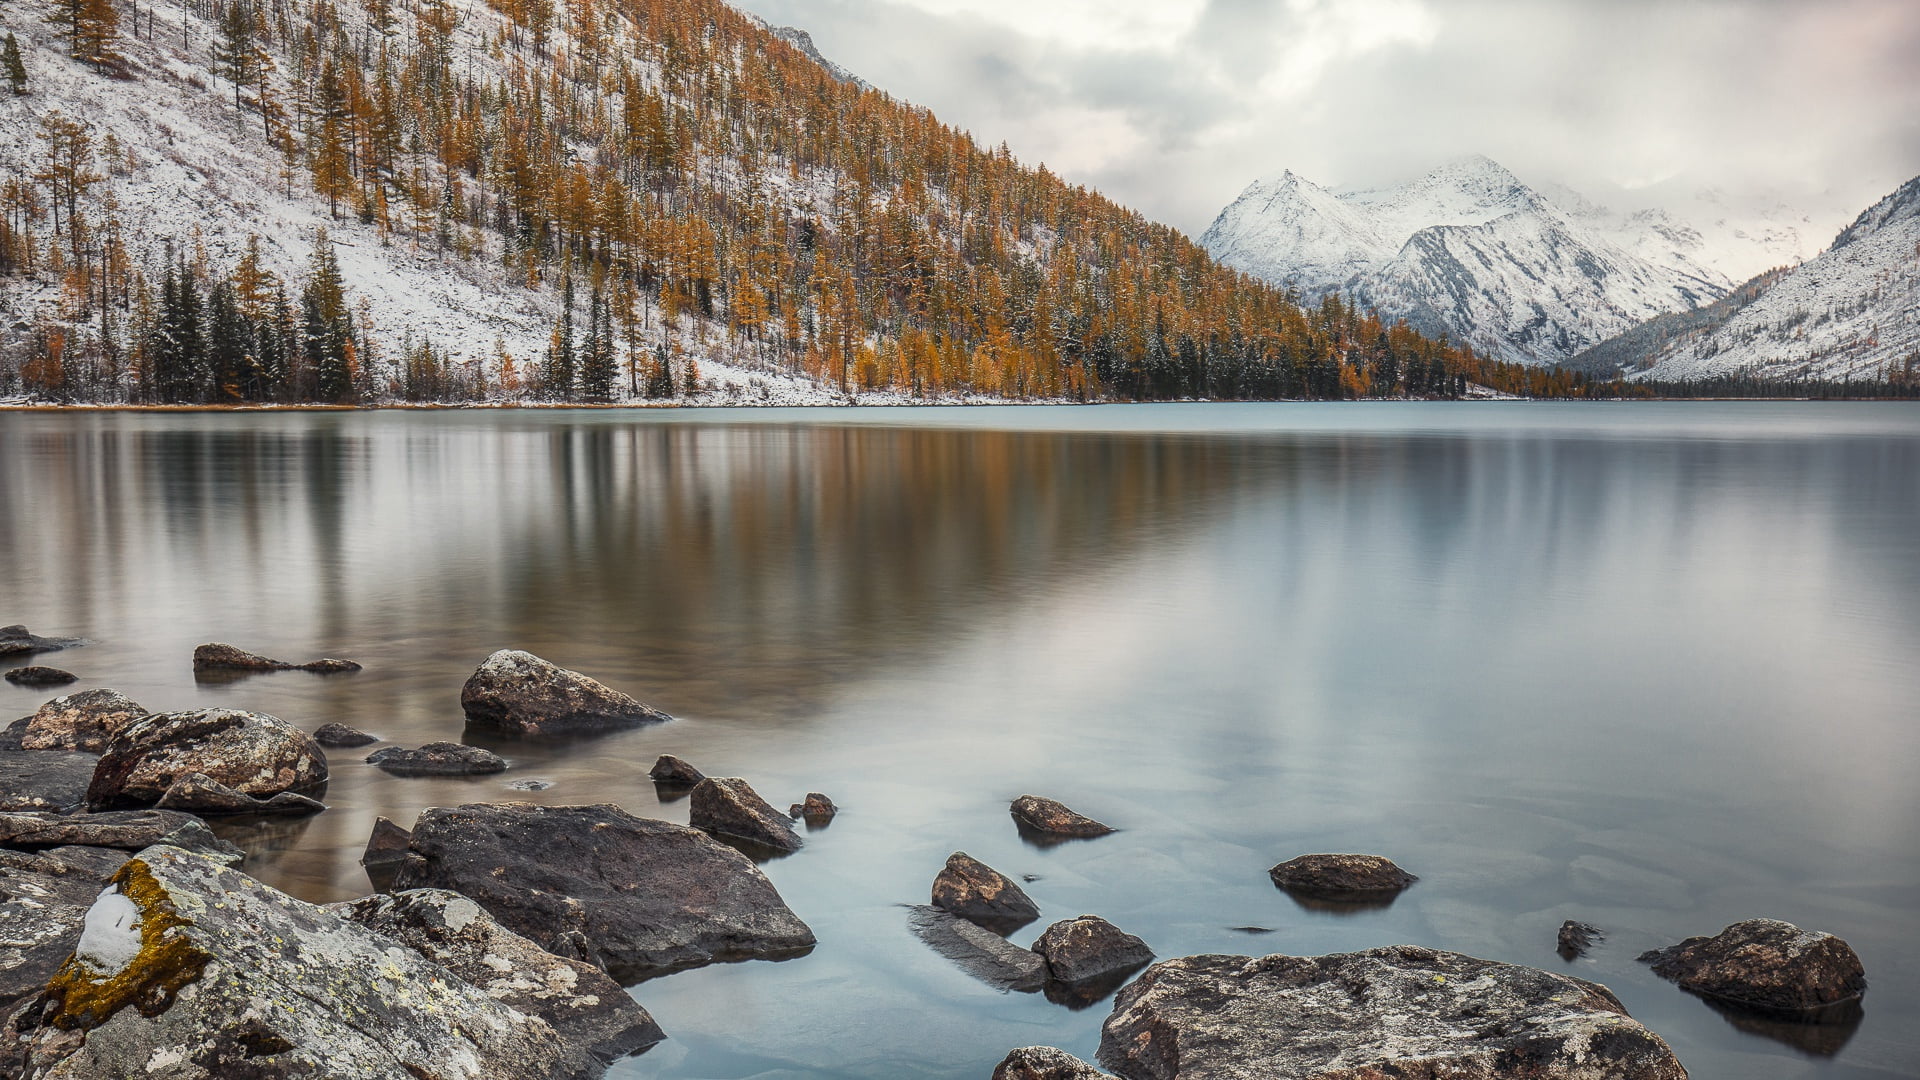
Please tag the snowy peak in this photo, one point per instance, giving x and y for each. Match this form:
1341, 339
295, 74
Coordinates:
1466, 191
1903, 205
803, 41
1324, 239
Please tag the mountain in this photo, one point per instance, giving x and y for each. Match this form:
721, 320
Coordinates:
803, 41
1851, 313
1470, 251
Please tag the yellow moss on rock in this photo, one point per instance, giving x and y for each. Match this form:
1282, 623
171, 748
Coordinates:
167, 961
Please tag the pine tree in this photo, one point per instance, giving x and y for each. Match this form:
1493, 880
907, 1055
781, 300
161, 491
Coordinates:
230, 347
597, 363
329, 325
15, 67
560, 359
236, 55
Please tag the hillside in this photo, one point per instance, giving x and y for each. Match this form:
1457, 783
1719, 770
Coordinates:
588, 201
1853, 313
1470, 251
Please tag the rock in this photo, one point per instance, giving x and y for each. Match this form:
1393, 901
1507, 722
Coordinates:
1576, 938
199, 794
1045, 1063
1050, 818
43, 898
817, 809
1090, 947
40, 676
1397, 1011
191, 970
596, 1020
978, 951
977, 892
438, 759
252, 753
728, 806
88, 721
128, 830
648, 896
10, 736
340, 735
215, 656
521, 694
44, 779
16, 640
671, 770
1770, 967
529, 784
387, 845
1342, 878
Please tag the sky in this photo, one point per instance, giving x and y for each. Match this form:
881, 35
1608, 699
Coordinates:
1174, 106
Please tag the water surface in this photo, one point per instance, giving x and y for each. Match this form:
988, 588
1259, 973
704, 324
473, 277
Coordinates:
1647, 666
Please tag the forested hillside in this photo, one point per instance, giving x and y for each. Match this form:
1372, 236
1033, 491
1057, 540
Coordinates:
298, 200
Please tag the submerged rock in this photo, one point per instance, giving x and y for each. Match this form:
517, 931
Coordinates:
438, 759
594, 1017
44, 779
646, 896
1576, 938
1045, 1063
88, 721
215, 656
1089, 948
17, 640
1771, 967
387, 845
128, 830
521, 694
978, 951
191, 970
201, 794
1397, 1011
1342, 878
977, 892
1051, 818
672, 770
342, 736
40, 676
252, 753
817, 809
728, 806
44, 896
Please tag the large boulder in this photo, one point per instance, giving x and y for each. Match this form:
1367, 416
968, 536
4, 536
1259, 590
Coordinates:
88, 720
252, 753
127, 830
594, 1017
43, 898
198, 793
1342, 878
1397, 1011
216, 656
978, 951
438, 759
638, 896
1045, 1063
38, 676
1090, 948
189, 970
728, 806
1770, 967
1050, 818
977, 892
44, 779
17, 640
521, 694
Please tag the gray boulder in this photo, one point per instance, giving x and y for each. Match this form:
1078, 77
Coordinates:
340, 735
978, 951
1089, 948
215, 656
386, 845
638, 896
1397, 1011
126, 830
252, 753
198, 793
674, 771
438, 759
193, 971
521, 694
88, 721
44, 779
728, 806
43, 898
596, 1020
17, 640
1045, 1063
1050, 818
977, 892
1342, 878
1770, 967
40, 676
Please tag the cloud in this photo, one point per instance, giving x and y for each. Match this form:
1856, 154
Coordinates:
1172, 106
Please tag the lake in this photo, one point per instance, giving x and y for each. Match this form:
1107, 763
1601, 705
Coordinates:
1650, 666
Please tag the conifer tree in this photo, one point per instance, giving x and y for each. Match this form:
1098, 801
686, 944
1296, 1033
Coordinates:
16, 68
236, 55
559, 374
230, 349
597, 363
328, 343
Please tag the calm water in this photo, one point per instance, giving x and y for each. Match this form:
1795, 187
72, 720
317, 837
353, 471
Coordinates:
1652, 667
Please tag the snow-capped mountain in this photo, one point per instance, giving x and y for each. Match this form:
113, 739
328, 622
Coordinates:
1853, 312
802, 40
1471, 251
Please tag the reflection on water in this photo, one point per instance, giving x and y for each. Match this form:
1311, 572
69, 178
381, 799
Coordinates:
1649, 668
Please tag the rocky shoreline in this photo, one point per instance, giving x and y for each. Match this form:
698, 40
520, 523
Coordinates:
503, 933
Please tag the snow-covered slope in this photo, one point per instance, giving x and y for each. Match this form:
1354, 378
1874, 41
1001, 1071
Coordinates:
1853, 312
1470, 251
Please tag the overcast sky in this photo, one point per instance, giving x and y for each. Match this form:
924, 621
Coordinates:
1173, 106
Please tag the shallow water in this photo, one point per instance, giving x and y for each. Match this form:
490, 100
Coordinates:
1647, 666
